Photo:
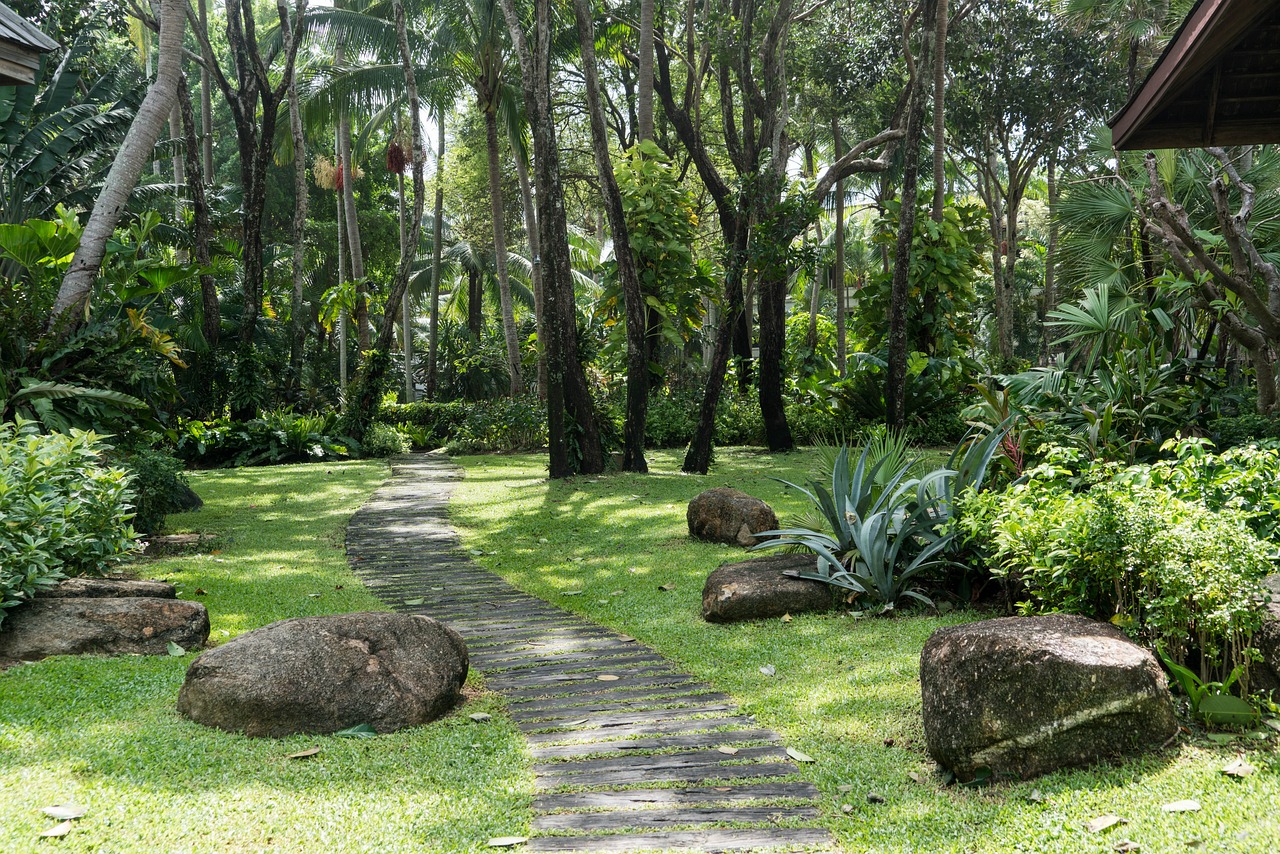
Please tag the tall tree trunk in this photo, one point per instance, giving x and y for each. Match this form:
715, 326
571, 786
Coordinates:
568, 396
895, 392
837, 272
475, 294
406, 328
72, 303
437, 238
939, 109
340, 219
500, 248
206, 102
301, 196
175, 147
354, 245
202, 231
531, 229
644, 71
633, 301
1050, 257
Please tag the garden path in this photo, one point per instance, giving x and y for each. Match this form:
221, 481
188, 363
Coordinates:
629, 752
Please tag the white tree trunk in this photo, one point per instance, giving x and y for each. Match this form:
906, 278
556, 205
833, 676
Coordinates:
72, 302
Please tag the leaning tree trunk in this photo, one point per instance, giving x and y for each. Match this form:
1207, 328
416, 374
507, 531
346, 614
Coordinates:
500, 249
72, 303
633, 301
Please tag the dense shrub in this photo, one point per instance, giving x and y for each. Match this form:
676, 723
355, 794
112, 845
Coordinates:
504, 424
1142, 546
1236, 430
430, 424
64, 511
157, 488
383, 440
280, 436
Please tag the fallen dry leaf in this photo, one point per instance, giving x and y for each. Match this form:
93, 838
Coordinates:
727, 751
665, 588
507, 841
786, 618
57, 830
626, 638
914, 777
1102, 823
1238, 768
768, 670
846, 808
798, 756
65, 812
480, 716
1127, 846
844, 788
305, 754
608, 677
576, 723
1182, 806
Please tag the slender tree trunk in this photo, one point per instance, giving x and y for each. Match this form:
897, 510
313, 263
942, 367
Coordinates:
475, 295
354, 246
837, 272
531, 229
406, 328
72, 303
644, 71
206, 102
340, 219
568, 396
297, 322
500, 250
210, 314
633, 301
175, 147
772, 300
939, 110
437, 235
895, 393
1050, 257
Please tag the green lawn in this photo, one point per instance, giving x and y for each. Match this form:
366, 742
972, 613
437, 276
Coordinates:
104, 732
846, 691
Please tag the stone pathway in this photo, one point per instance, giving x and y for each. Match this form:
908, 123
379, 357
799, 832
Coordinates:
629, 753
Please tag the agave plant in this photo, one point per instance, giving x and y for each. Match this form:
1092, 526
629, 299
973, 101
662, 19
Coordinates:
885, 527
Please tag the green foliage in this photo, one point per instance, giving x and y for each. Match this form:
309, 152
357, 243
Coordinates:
279, 436
64, 512
946, 258
1212, 702
882, 526
157, 487
1137, 546
383, 440
1231, 430
505, 424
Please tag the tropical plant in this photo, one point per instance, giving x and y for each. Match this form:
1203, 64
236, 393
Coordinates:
1212, 702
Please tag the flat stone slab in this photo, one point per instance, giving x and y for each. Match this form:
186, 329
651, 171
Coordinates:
1023, 696
110, 588
327, 673
103, 626
759, 589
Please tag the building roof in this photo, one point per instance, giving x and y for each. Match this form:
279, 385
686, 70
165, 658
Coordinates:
1217, 82
18, 30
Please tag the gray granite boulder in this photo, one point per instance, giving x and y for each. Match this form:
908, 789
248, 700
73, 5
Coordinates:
758, 589
323, 674
111, 625
1023, 696
724, 515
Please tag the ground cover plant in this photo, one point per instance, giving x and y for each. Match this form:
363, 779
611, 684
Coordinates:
844, 691
104, 733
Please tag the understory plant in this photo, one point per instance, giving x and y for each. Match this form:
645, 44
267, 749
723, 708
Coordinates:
880, 525
63, 511
1135, 545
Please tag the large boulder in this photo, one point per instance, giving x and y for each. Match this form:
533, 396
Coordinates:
725, 515
1023, 696
116, 625
323, 674
1265, 674
758, 589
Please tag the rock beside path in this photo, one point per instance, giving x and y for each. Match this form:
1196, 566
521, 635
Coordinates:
323, 674
110, 588
116, 625
724, 515
758, 589
1023, 696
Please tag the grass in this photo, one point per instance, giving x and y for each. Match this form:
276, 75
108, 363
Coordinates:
846, 691
104, 732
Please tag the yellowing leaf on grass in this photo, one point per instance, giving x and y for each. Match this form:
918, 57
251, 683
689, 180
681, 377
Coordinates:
507, 841
727, 751
480, 717
65, 812
1126, 846
768, 670
576, 723
1238, 768
305, 754
798, 756
608, 677
1103, 822
786, 618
